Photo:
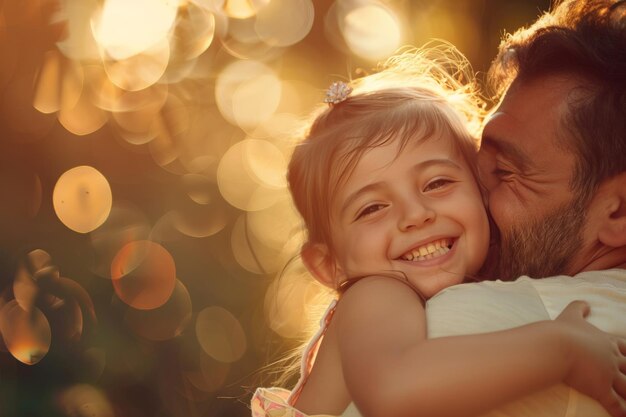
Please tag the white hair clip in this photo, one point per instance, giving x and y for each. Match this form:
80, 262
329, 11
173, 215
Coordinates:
337, 92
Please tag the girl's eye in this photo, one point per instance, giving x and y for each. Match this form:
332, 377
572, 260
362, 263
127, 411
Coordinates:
370, 210
437, 184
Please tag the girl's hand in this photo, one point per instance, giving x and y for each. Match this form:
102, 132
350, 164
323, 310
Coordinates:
597, 359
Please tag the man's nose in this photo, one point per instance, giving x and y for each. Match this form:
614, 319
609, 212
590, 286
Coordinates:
415, 214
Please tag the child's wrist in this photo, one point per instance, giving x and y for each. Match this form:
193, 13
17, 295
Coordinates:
555, 344
564, 345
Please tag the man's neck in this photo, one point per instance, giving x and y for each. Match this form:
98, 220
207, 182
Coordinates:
613, 258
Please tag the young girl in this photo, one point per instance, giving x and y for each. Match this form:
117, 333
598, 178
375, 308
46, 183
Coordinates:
386, 184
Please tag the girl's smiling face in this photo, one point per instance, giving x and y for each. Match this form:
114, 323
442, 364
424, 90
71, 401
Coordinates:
418, 211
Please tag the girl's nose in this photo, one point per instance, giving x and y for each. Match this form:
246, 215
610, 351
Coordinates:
415, 215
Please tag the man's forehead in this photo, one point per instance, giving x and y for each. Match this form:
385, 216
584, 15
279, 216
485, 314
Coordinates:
539, 97
532, 112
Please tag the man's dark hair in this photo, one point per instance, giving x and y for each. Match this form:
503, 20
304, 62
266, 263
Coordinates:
586, 39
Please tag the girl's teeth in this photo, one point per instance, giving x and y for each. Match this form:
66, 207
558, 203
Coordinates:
430, 251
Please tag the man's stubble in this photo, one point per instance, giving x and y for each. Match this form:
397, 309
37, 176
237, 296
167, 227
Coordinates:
540, 248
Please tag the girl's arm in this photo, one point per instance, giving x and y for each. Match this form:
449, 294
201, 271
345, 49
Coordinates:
391, 369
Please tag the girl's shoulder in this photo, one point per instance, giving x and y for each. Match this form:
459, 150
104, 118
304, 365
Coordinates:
376, 314
378, 294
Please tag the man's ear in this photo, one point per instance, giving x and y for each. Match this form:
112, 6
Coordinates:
320, 263
612, 230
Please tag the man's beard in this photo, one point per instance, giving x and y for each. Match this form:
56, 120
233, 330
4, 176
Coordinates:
540, 248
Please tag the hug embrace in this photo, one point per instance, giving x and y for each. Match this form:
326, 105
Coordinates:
479, 260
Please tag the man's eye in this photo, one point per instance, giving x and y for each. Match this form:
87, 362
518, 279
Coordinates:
437, 184
501, 173
370, 210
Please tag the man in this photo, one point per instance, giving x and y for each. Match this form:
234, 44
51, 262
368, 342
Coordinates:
553, 160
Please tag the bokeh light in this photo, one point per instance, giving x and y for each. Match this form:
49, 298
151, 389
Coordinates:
48, 94
188, 111
200, 221
65, 317
126, 223
26, 334
138, 122
284, 22
276, 225
164, 322
295, 302
143, 274
79, 43
239, 182
251, 253
25, 289
266, 163
194, 32
372, 31
243, 9
78, 113
211, 375
82, 199
84, 400
141, 70
125, 29
247, 93
220, 334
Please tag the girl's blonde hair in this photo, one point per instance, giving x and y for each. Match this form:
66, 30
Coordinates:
416, 95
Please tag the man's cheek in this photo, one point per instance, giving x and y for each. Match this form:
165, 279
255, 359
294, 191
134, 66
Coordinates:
502, 209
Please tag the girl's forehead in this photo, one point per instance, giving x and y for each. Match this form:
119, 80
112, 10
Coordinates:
440, 144
363, 165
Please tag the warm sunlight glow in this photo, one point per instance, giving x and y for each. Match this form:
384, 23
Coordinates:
252, 253
285, 22
140, 70
243, 9
238, 182
78, 42
126, 28
372, 32
247, 93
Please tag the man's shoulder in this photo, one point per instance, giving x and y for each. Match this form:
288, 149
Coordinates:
524, 286
495, 305
607, 278
616, 276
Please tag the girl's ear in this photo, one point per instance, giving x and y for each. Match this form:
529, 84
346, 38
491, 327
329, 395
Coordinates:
612, 230
320, 263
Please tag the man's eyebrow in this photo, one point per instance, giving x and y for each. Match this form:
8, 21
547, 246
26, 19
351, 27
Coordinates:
510, 151
378, 185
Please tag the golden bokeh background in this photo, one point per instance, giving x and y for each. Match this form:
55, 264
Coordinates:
147, 236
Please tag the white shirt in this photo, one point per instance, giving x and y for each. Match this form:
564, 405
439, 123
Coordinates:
495, 305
